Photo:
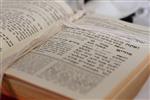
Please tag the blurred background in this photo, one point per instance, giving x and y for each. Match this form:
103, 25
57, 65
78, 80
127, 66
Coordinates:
134, 11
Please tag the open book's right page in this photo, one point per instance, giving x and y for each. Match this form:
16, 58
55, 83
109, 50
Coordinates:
129, 29
83, 61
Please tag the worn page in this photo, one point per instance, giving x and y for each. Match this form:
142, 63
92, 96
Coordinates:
81, 63
24, 23
115, 24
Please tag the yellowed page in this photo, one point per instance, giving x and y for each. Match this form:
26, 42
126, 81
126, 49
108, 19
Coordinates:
26, 23
80, 62
115, 24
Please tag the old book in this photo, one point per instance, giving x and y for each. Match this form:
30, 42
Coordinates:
51, 51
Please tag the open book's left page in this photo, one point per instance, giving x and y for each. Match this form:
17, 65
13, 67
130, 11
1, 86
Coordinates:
24, 23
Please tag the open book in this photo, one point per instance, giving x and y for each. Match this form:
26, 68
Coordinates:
50, 51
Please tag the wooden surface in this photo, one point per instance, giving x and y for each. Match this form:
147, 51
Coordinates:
4, 97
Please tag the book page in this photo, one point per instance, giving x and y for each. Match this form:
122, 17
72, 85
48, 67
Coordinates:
26, 23
115, 24
81, 63
23, 22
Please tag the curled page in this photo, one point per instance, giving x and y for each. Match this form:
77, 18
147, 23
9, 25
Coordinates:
26, 23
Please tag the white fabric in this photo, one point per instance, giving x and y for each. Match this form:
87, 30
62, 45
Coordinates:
114, 8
